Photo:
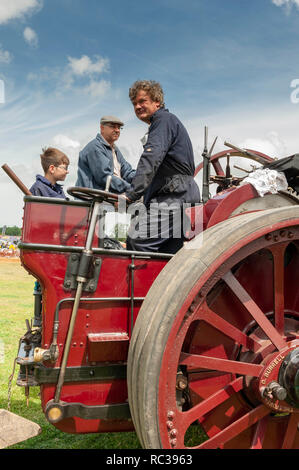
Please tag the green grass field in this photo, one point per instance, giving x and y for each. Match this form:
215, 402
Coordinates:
16, 305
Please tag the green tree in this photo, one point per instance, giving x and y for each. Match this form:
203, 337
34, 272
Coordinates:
12, 231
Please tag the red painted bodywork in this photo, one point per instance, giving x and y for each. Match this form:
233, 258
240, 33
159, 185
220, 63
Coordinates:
50, 230
65, 225
217, 209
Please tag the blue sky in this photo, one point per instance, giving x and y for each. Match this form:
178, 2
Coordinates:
227, 64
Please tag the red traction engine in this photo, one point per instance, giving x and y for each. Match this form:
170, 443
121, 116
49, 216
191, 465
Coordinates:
199, 347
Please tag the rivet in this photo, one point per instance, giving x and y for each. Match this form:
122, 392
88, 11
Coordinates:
173, 433
173, 442
74, 344
170, 414
169, 424
268, 236
276, 237
282, 233
290, 235
192, 307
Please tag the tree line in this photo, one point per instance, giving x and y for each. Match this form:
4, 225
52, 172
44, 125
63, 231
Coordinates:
10, 231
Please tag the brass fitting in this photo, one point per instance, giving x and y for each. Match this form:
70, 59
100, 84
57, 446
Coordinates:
41, 355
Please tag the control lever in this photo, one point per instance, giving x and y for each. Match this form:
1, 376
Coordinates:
108, 182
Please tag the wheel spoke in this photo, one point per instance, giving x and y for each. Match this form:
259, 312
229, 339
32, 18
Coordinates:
186, 418
259, 435
254, 310
291, 431
223, 365
236, 428
206, 314
218, 168
278, 252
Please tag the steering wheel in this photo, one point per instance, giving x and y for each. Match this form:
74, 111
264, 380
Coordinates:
90, 194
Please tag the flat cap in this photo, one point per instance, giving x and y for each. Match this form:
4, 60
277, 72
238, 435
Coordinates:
112, 119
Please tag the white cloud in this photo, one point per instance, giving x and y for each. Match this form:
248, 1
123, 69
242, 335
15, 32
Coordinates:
286, 3
85, 66
5, 56
79, 75
271, 145
13, 9
30, 37
63, 141
97, 88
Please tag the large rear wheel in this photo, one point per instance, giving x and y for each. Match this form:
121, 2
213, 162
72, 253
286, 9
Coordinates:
214, 356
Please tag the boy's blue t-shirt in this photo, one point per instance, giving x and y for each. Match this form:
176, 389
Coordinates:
43, 187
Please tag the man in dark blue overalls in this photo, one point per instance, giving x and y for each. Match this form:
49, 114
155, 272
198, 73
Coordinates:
164, 175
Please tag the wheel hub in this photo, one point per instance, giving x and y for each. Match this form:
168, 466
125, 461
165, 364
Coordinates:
278, 384
289, 376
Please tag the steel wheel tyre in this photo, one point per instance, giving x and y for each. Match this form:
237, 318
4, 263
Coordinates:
216, 341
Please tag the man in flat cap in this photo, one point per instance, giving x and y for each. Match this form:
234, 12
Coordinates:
101, 158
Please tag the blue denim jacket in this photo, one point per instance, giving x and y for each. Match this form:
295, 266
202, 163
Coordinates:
96, 163
43, 187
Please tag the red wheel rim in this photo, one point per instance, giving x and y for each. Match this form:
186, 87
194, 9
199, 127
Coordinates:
261, 158
225, 339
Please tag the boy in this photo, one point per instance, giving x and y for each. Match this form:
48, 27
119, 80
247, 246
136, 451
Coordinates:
55, 165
